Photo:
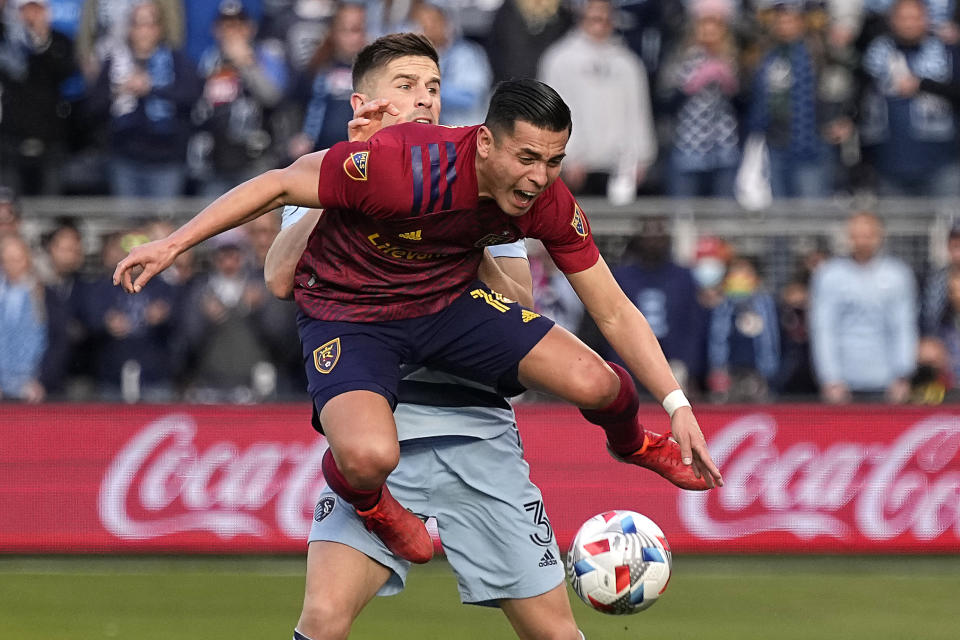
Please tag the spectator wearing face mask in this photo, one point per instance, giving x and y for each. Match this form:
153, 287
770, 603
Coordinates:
744, 342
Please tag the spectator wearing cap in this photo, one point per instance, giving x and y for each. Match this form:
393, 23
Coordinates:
32, 124
700, 83
908, 124
104, 23
146, 92
863, 320
784, 108
328, 82
200, 18
603, 81
463, 66
244, 80
221, 325
936, 289
22, 323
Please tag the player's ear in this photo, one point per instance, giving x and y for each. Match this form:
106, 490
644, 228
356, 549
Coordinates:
357, 100
484, 141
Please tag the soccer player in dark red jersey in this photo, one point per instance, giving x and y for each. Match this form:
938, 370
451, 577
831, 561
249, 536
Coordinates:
388, 277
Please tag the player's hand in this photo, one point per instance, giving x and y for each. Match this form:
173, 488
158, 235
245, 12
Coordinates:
150, 259
693, 446
368, 119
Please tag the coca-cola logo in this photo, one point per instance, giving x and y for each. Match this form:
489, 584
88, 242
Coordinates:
162, 483
881, 490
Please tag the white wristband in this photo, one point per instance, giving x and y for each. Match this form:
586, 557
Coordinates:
674, 400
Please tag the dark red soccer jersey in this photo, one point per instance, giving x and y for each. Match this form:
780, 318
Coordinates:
403, 230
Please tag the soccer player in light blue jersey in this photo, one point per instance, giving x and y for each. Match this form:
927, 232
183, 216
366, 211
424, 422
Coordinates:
461, 458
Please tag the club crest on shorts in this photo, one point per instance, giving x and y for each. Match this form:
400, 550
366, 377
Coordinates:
579, 223
355, 165
324, 508
326, 356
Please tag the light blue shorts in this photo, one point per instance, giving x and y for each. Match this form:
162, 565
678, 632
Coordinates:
489, 516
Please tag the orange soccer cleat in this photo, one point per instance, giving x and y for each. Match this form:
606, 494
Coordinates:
401, 531
661, 453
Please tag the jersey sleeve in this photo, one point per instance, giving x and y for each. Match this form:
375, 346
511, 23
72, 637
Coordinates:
564, 230
366, 176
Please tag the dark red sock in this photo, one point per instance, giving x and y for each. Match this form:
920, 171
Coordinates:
619, 418
361, 500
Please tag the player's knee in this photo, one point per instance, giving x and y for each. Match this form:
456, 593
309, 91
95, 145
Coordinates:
594, 384
367, 465
325, 620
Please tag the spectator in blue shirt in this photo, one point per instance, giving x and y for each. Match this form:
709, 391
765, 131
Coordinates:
863, 320
22, 323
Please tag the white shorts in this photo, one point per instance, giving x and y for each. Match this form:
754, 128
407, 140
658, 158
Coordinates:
489, 515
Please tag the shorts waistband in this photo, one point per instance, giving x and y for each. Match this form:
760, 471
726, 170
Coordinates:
439, 394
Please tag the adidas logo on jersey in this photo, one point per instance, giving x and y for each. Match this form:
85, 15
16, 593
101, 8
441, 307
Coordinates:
527, 316
411, 235
548, 559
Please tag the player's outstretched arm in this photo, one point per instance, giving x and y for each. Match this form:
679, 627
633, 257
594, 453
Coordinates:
296, 184
630, 335
284, 254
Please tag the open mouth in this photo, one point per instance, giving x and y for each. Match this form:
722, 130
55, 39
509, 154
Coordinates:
523, 198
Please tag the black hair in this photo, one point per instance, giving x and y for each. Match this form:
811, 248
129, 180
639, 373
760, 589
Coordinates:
388, 48
529, 101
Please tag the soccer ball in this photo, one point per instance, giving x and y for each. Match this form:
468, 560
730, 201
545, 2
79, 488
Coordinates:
619, 562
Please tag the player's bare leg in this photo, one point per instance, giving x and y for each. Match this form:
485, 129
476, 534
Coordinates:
544, 617
331, 606
363, 451
562, 365
361, 432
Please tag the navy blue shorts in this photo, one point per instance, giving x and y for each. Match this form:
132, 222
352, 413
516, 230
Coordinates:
481, 336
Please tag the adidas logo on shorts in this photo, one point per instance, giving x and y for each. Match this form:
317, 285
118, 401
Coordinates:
547, 559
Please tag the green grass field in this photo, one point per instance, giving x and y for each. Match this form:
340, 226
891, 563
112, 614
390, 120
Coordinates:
709, 598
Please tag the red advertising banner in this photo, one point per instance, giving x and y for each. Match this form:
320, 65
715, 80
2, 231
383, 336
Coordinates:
202, 479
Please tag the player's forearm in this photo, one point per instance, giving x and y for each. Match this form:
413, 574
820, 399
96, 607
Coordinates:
629, 333
280, 266
625, 328
241, 204
296, 184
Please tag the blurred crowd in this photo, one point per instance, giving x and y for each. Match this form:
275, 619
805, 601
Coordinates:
166, 98
843, 328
